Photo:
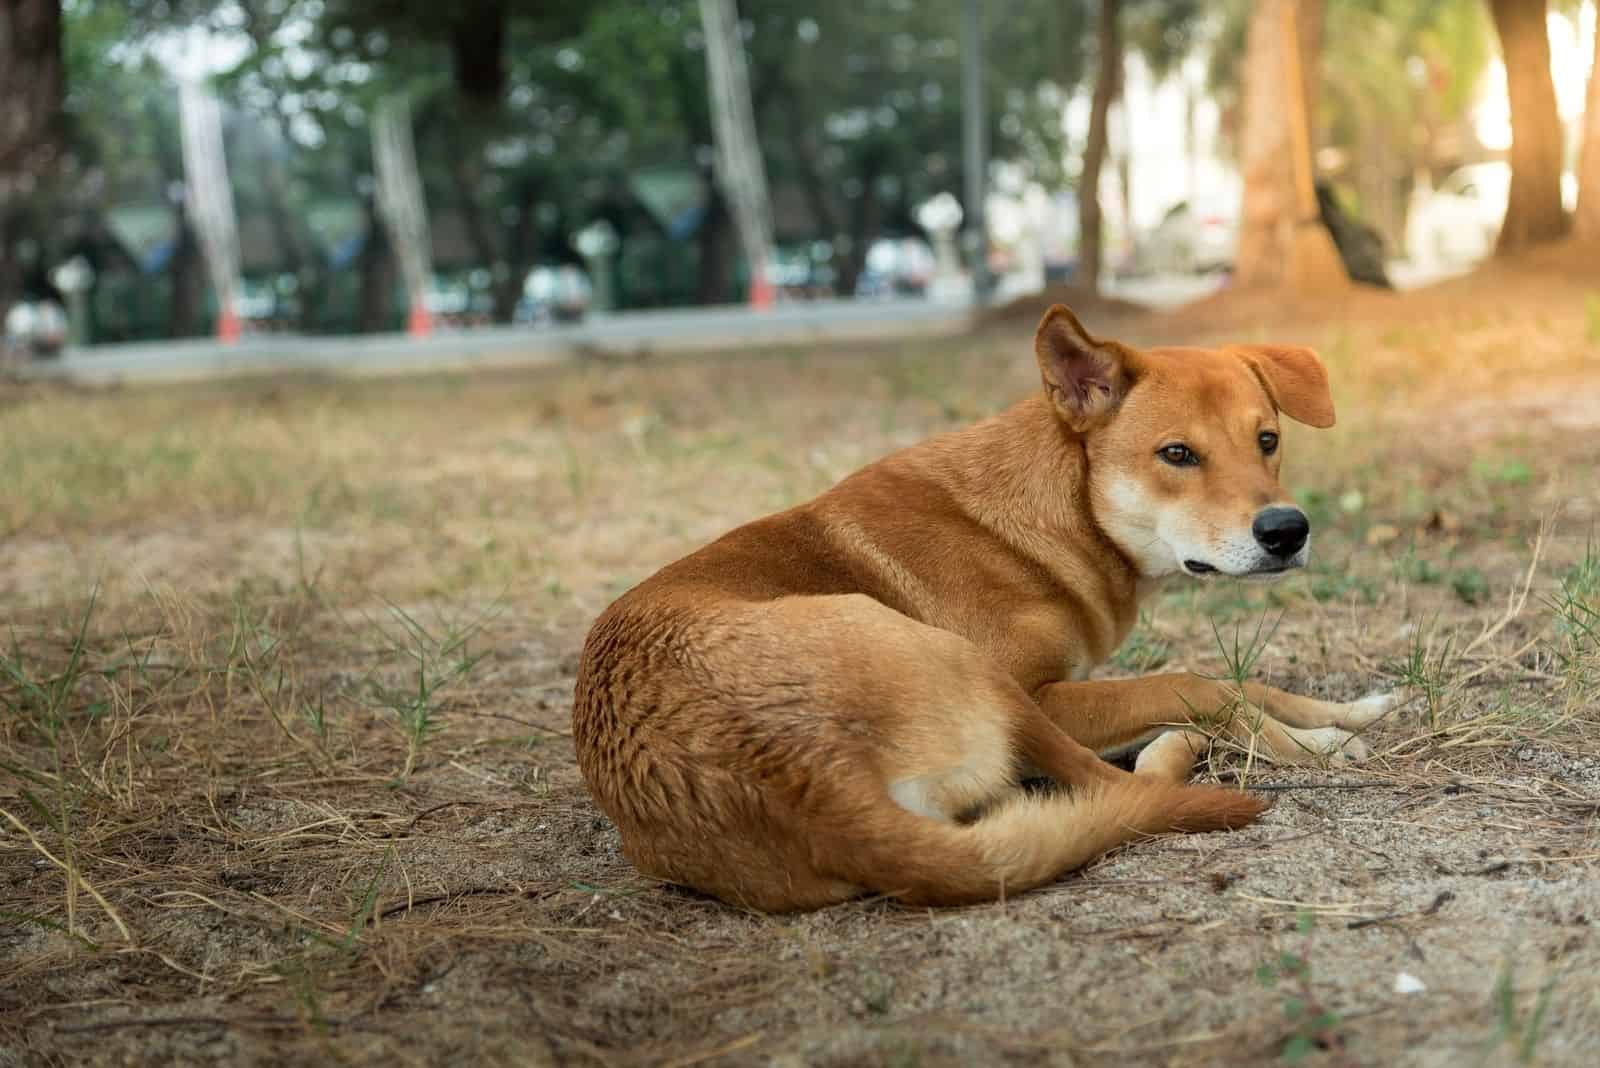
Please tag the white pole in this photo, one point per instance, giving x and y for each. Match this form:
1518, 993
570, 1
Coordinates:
210, 203
400, 203
975, 148
739, 167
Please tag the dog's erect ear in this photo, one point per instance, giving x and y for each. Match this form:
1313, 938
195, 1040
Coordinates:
1084, 377
1295, 380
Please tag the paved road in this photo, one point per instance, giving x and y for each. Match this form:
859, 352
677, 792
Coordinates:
627, 333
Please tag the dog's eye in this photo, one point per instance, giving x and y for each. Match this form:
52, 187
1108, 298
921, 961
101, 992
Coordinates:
1179, 455
1269, 442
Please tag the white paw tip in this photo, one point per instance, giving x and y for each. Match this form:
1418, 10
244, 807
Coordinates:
1370, 709
1334, 743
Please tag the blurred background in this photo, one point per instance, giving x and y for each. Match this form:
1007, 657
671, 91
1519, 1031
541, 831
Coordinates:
238, 168
541, 295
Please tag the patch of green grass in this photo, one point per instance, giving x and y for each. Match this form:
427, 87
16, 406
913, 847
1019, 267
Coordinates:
1505, 470
1427, 670
1144, 650
1331, 585
1312, 1025
1240, 654
1576, 605
44, 703
1582, 580
1317, 505
438, 661
1470, 585
1411, 567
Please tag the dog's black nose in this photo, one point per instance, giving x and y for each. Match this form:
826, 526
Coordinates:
1281, 531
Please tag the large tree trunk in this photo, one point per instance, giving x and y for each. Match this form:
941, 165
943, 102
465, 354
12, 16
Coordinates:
1588, 220
1533, 212
477, 44
188, 285
377, 267
866, 219
715, 248
1308, 22
522, 244
32, 81
1269, 154
1106, 84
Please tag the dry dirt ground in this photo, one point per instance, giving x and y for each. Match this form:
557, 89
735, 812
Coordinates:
286, 671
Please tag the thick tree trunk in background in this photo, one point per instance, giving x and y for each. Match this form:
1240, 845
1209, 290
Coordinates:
1267, 151
477, 45
1533, 212
522, 245
715, 246
1106, 84
1587, 223
1125, 172
377, 276
32, 82
187, 282
866, 218
1309, 18
824, 223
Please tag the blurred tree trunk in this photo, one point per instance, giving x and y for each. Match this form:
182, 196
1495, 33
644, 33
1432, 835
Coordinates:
464, 137
714, 245
817, 191
866, 217
477, 44
1125, 172
1106, 85
32, 81
188, 288
376, 298
522, 244
1533, 212
1309, 18
1267, 150
1588, 220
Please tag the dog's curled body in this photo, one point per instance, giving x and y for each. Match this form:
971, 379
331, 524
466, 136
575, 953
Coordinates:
837, 700
842, 699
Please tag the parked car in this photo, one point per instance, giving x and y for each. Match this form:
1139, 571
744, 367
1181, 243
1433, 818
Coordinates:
459, 300
798, 272
896, 267
35, 328
555, 295
268, 307
1457, 224
1191, 239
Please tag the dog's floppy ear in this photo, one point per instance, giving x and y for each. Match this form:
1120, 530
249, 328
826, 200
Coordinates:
1295, 380
1084, 377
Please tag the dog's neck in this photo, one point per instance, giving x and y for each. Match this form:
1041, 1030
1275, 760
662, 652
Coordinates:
1024, 475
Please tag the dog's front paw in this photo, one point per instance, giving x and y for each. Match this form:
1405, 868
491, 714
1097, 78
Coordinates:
1334, 744
1363, 713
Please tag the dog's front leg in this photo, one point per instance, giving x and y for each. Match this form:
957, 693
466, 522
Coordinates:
1115, 716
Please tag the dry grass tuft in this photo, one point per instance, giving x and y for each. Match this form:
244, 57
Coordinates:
285, 679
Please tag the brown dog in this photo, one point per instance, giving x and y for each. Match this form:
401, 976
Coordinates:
842, 698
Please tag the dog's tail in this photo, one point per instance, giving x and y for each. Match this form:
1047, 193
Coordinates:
1031, 839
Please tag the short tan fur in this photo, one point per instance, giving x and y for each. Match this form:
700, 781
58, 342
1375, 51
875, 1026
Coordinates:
843, 698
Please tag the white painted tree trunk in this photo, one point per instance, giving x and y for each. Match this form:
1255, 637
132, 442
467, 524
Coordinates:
739, 168
400, 202
210, 200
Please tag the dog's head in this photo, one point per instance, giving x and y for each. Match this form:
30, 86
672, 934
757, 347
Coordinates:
1183, 446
